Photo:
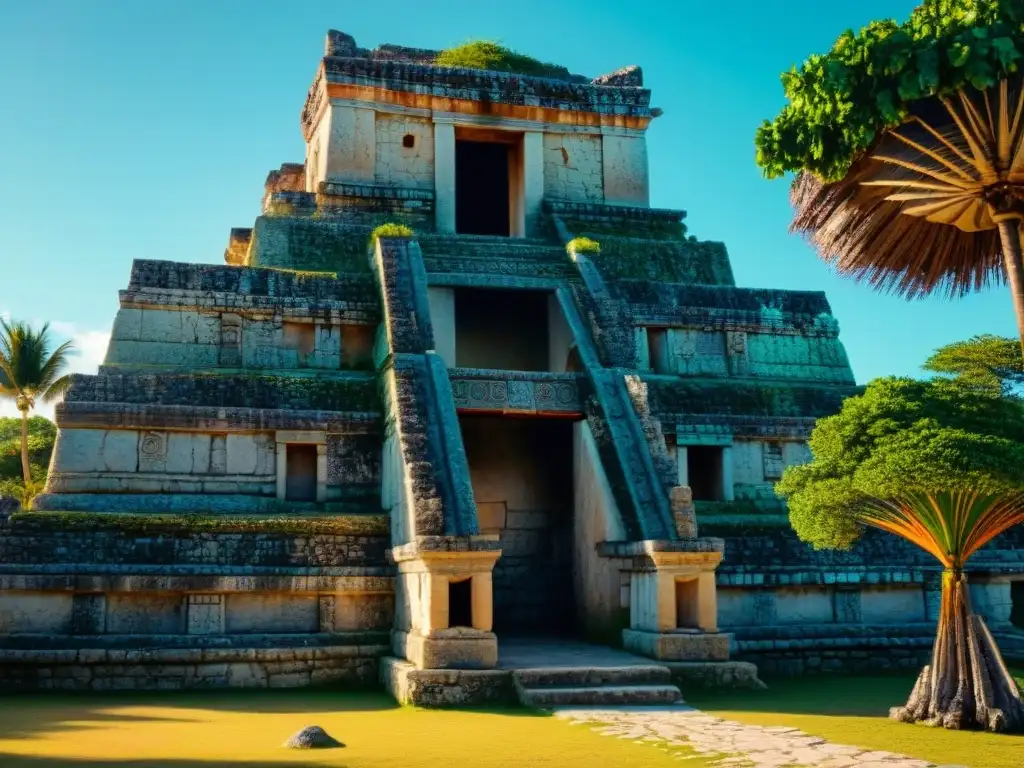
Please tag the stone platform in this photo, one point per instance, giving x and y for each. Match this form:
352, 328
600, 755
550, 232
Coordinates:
547, 672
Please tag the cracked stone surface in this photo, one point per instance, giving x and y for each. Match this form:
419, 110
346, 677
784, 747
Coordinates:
732, 744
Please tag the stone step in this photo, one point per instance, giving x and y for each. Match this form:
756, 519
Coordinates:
491, 247
576, 677
602, 695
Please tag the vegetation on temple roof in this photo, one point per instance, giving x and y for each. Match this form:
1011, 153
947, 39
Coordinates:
870, 81
488, 55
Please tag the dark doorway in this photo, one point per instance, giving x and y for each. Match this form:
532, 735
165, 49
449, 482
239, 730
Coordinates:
704, 472
502, 329
460, 603
481, 188
300, 481
522, 469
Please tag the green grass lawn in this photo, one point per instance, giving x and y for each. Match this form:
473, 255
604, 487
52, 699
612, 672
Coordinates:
854, 711
245, 730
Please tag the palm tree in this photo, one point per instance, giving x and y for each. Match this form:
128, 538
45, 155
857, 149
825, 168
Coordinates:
29, 371
967, 683
935, 206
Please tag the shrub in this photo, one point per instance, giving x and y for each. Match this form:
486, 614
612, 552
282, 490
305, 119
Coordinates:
390, 230
583, 245
484, 54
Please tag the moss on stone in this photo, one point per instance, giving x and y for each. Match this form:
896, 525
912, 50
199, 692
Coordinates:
490, 56
676, 396
390, 229
583, 245
670, 261
335, 525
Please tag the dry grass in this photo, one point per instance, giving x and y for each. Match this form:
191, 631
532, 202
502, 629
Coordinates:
246, 731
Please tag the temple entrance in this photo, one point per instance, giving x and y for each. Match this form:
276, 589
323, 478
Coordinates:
482, 194
300, 466
522, 474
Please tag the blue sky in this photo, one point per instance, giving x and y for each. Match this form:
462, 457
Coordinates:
144, 130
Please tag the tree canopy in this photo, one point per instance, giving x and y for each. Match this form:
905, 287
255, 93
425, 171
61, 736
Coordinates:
903, 436
993, 363
841, 101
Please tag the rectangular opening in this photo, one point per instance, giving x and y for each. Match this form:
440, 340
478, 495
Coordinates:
482, 192
300, 480
522, 475
460, 603
300, 337
657, 349
503, 329
704, 472
686, 603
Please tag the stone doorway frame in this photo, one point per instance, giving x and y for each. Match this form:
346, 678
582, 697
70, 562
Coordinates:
296, 437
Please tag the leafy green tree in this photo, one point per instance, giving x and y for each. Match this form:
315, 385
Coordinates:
940, 463
908, 145
993, 363
30, 371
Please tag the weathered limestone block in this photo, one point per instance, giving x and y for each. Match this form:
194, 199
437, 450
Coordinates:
677, 646
250, 454
398, 163
573, 167
351, 146
140, 613
624, 161
205, 615
254, 613
446, 687
807, 605
35, 613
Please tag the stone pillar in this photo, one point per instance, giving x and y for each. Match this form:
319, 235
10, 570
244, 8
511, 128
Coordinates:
426, 570
728, 489
681, 465
321, 473
673, 583
444, 177
533, 181
281, 455
442, 318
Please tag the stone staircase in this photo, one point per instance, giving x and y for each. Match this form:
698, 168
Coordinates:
633, 685
481, 254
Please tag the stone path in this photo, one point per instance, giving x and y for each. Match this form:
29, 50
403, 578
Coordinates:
732, 744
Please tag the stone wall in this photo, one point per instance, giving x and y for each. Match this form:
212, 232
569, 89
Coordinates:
573, 168
398, 164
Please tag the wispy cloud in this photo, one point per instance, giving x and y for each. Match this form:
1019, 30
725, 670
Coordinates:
90, 347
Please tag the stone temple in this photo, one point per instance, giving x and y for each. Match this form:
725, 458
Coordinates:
443, 462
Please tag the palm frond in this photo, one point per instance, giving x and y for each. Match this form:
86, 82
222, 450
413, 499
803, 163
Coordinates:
951, 525
53, 366
917, 214
57, 389
27, 368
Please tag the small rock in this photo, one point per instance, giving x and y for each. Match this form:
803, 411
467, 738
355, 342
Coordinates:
312, 737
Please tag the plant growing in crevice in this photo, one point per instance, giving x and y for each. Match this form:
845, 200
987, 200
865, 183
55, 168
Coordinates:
583, 245
390, 229
491, 56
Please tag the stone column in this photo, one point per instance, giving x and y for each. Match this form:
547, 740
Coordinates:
669, 576
426, 570
321, 473
533, 181
681, 465
444, 177
281, 456
728, 490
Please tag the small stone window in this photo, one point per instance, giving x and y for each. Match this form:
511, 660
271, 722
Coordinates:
460, 603
704, 472
408, 141
686, 603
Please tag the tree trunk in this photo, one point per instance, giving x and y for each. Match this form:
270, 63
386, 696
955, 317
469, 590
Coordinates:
967, 685
1009, 236
26, 470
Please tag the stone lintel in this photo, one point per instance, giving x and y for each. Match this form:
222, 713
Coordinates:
315, 437
692, 555
443, 549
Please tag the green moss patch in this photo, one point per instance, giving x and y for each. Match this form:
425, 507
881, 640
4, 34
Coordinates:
339, 525
583, 245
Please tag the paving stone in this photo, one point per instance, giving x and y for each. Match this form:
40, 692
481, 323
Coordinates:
734, 744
